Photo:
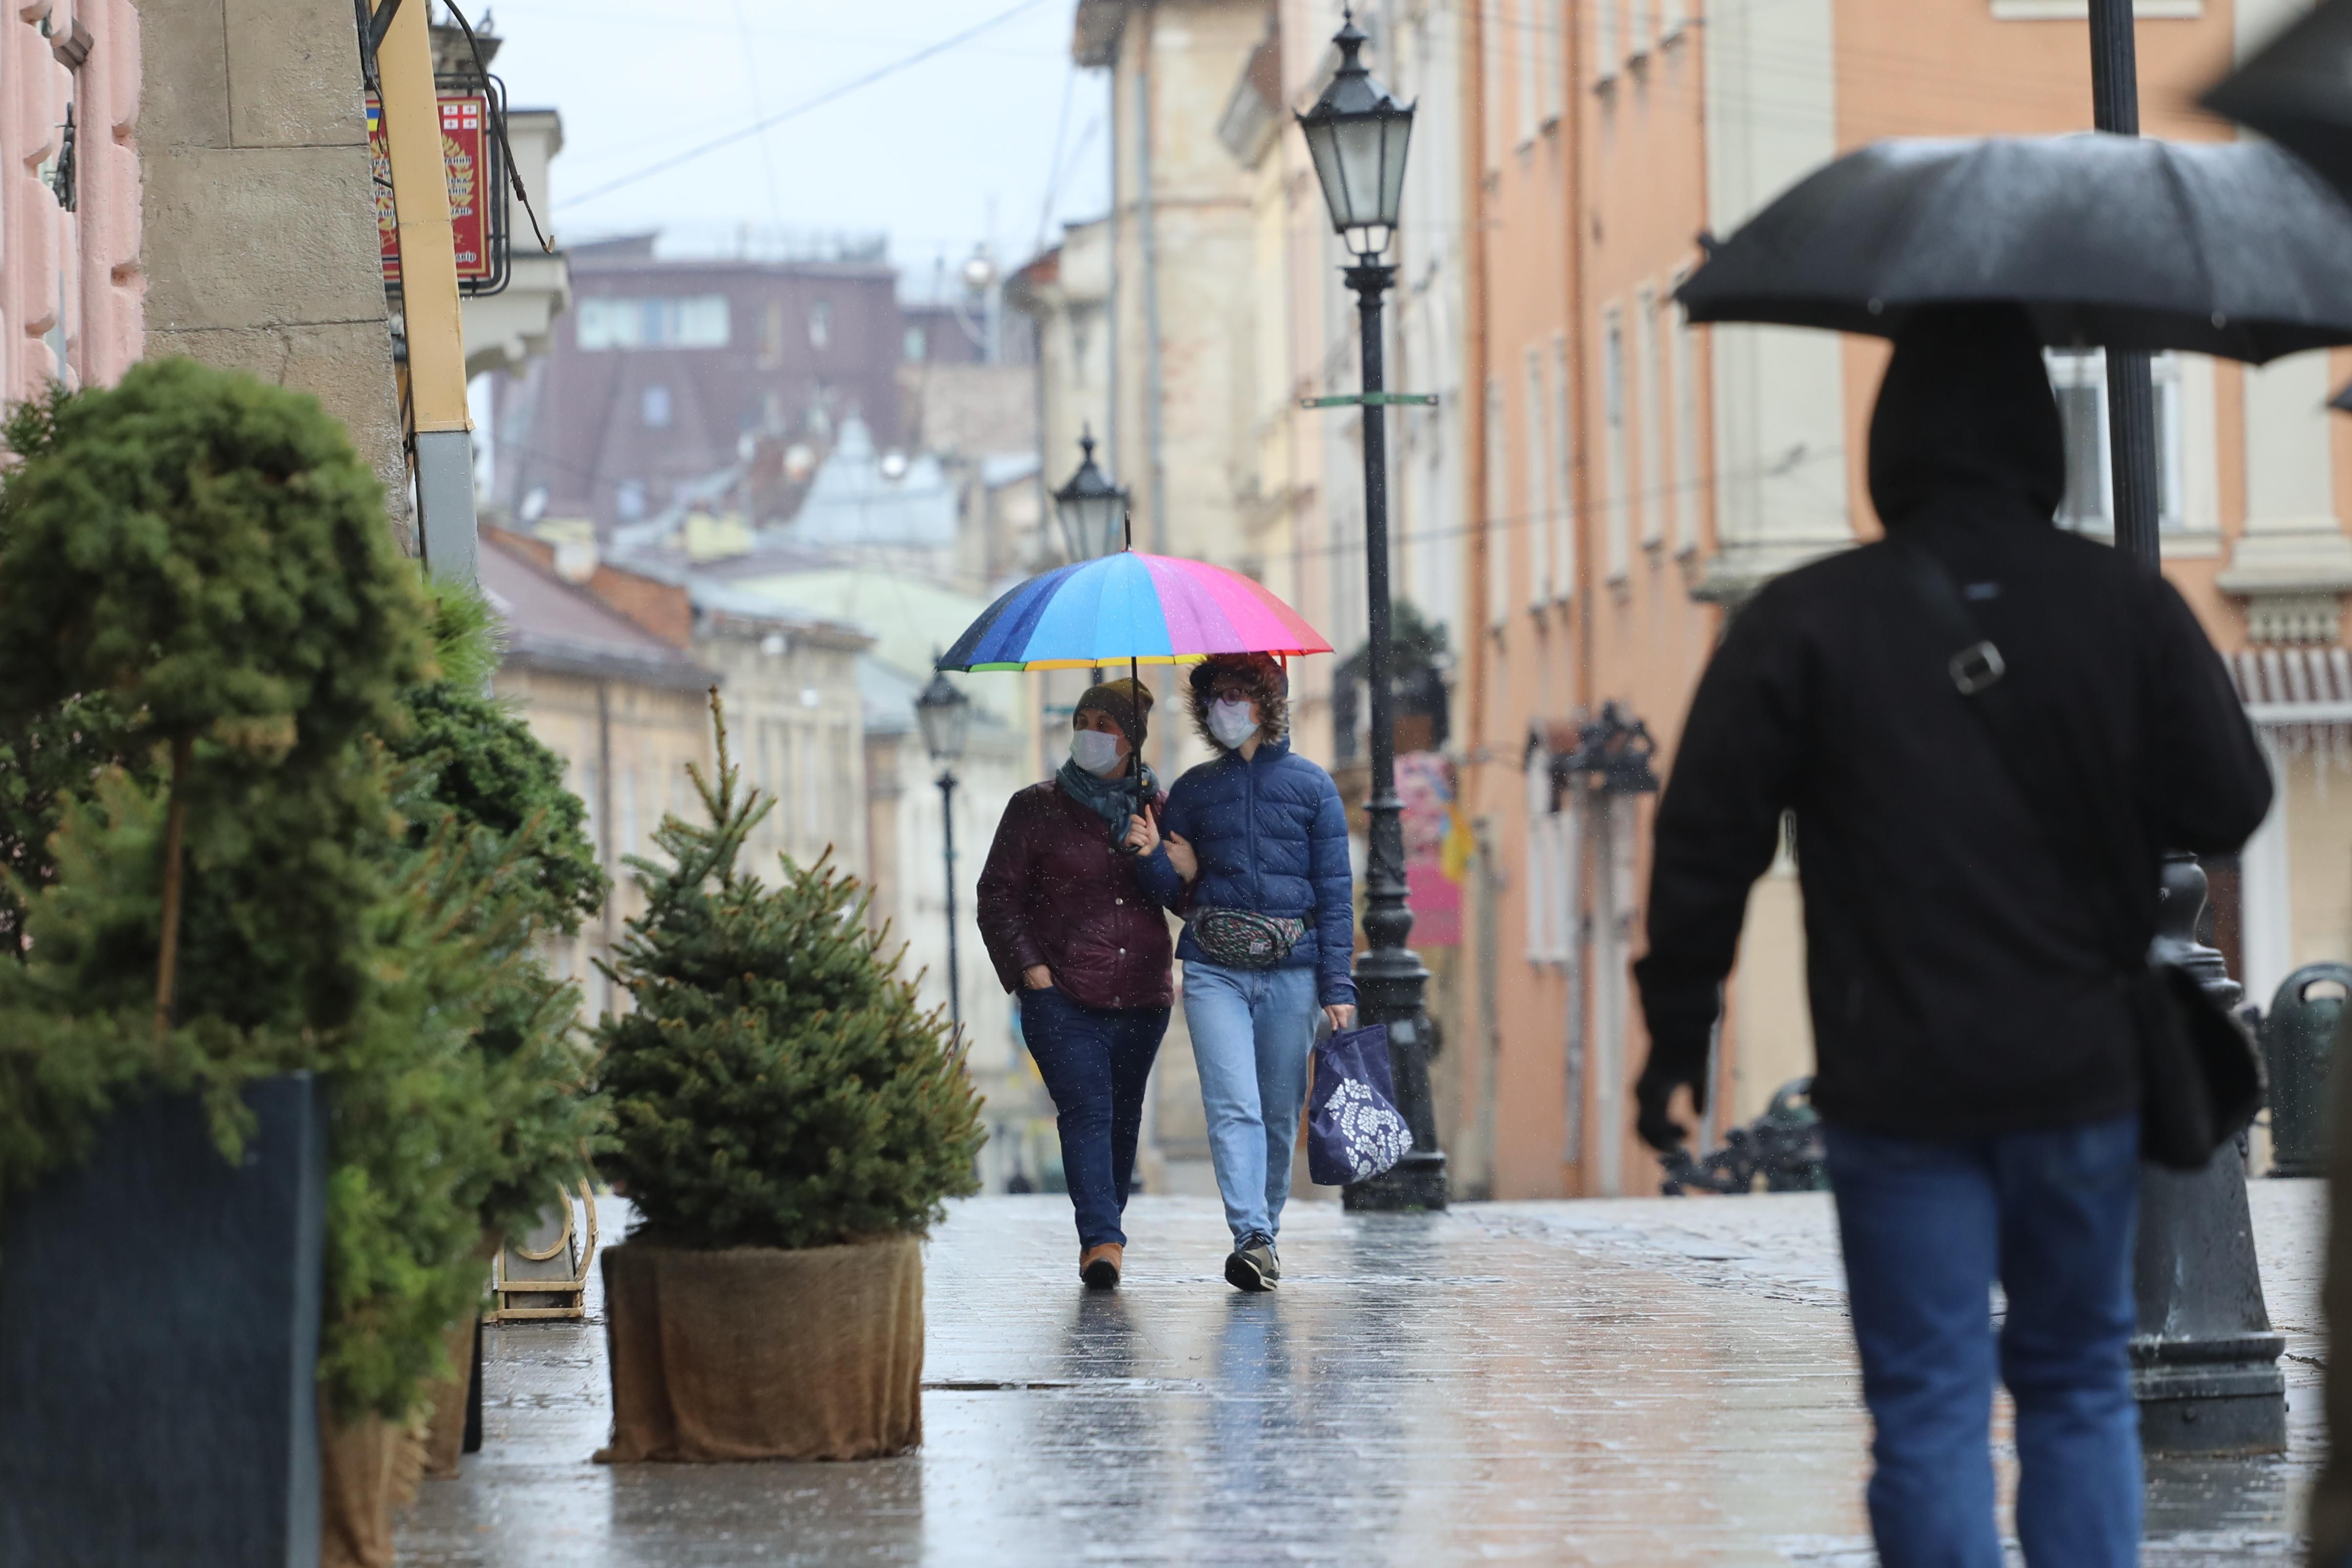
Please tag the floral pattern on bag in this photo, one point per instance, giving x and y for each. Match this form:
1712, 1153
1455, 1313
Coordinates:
1373, 1135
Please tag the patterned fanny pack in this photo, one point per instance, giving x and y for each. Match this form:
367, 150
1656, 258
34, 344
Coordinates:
1243, 939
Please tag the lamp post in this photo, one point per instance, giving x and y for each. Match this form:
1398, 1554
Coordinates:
2204, 1356
1092, 510
1357, 134
944, 712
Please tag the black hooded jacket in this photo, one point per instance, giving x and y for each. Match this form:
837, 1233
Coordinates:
1963, 970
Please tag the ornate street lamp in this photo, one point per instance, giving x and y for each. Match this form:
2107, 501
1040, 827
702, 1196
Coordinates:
1093, 510
2204, 1356
945, 713
1357, 134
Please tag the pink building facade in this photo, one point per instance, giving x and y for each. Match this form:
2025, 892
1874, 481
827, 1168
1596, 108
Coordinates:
71, 289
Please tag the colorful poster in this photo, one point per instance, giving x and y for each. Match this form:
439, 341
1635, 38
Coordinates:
465, 153
1433, 872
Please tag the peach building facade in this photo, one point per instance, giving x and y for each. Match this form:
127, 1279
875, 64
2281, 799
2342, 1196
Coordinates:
1641, 479
71, 286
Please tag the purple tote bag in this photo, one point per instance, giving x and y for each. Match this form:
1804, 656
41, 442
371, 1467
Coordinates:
1353, 1130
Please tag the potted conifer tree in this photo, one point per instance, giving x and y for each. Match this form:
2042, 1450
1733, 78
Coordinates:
219, 877
787, 1120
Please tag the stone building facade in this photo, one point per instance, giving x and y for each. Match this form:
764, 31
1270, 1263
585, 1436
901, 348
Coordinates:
1601, 483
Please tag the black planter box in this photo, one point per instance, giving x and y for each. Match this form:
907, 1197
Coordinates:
159, 1345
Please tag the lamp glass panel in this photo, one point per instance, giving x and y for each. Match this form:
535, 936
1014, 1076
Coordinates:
1396, 133
943, 712
1359, 143
1322, 147
1089, 523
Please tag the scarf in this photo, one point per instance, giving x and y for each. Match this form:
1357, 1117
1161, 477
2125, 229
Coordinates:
1113, 800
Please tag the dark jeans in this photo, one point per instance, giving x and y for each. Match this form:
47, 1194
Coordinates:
1095, 1061
1926, 1226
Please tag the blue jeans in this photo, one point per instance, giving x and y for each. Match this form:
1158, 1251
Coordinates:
1095, 1062
1253, 1030
1928, 1226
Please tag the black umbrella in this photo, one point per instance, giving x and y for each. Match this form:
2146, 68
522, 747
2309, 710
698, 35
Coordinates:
2230, 248
2298, 91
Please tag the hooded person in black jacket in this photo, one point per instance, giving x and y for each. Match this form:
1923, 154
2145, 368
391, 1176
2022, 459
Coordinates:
1977, 1064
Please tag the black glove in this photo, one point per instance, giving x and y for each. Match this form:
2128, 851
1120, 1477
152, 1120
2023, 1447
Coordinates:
1656, 1089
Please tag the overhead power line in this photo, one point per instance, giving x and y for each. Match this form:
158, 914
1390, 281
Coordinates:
830, 95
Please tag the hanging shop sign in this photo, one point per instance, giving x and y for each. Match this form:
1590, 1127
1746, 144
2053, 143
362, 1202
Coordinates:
477, 174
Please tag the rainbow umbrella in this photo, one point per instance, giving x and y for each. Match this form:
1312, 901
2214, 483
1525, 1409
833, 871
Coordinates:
1143, 609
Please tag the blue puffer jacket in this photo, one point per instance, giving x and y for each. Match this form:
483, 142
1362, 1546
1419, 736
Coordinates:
1272, 838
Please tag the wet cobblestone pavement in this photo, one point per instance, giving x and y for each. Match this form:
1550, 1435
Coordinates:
1650, 1381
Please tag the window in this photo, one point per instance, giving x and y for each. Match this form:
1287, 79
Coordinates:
821, 324
616, 321
1674, 16
613, 321
1551, 868
592, 802
2079, 378
771, 335
1609, 43
1643, 33
1654, 419
916, 346
1523, 44
1563, 512
1492, 46
653, 404
1551, 33
1537, 510
1683, 532
1612, 393
1542, 934
1498, 534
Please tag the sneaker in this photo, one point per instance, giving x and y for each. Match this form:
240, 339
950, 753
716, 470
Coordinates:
1098, 1266
1254, 1267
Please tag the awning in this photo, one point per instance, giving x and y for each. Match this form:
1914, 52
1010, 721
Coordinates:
2303, 697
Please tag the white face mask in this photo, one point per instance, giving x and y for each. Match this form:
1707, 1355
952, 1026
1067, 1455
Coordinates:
1233, 722
1096, 752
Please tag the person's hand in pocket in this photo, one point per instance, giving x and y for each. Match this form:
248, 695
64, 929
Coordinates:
1037, 978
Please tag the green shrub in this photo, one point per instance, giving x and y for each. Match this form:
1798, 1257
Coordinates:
776, 1083
196, 583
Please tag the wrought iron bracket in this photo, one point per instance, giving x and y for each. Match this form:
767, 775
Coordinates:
1372, 400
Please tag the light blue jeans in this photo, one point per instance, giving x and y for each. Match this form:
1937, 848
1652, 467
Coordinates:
1253, 1032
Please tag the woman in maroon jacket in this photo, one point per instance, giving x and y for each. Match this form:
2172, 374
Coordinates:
1071, 930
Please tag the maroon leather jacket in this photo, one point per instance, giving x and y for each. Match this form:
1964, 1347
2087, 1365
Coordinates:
1056, 892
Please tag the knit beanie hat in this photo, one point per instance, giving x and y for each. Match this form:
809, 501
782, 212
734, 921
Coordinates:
1129, 702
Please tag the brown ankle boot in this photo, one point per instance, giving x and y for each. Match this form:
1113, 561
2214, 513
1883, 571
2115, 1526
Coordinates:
1098, 1266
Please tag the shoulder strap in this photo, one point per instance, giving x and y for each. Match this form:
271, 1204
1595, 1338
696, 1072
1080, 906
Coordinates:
1977, 671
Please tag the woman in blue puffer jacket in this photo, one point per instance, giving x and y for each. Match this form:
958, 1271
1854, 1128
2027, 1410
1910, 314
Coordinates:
1259, 840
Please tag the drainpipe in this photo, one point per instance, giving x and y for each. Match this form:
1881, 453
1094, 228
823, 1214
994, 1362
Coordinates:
1580, 1002
1111, 454
1147, 242
1477, 352
440, 433
604, 824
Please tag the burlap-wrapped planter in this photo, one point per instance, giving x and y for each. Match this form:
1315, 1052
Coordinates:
760, 1354
445, 1399
368, 1470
